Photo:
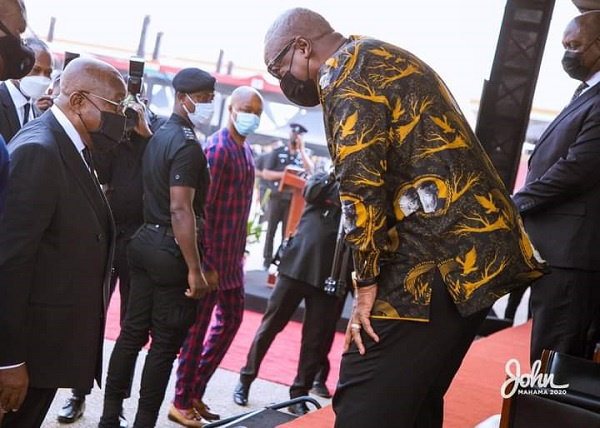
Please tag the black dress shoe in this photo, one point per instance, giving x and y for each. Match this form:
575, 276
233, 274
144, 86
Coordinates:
240, 394
298, 409
320, 389
72, 410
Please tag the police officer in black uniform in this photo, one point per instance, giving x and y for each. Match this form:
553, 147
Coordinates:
273, 170
164, 255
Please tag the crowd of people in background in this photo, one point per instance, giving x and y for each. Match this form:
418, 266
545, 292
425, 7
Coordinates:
102, 191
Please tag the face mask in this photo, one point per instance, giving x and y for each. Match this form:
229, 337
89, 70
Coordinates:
246, 123
202, 114
34, 86
572, 63
302, 92
109, 133
17, 59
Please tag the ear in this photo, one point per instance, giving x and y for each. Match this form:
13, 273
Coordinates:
230, 109
304, 46
76, 100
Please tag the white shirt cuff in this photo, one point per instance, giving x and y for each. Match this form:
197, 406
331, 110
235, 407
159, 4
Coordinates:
11, 367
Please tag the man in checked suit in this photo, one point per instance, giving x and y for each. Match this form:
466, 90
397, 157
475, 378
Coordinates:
560, 203
56, 245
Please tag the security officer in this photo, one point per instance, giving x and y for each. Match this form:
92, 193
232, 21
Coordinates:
273, 170
304, 266
164, 255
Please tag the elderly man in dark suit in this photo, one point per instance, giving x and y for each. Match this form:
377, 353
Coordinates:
560, 203
56, 245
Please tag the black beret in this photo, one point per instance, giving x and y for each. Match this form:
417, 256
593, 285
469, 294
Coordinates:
297, 128
190, 80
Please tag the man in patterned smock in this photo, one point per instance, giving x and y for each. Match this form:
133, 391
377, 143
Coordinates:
435, 235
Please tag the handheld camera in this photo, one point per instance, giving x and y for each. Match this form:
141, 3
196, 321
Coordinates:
135, 82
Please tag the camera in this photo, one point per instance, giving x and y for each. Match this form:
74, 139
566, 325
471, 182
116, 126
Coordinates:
69, 56
135, 83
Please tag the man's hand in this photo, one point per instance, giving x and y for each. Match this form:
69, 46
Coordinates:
364, 299
198, 286
13, 388
44, 102
212, 277
142, 128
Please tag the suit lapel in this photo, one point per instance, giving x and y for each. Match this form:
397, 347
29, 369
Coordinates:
9, 110
574, 105
77, 166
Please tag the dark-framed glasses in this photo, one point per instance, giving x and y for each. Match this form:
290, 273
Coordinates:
279, 57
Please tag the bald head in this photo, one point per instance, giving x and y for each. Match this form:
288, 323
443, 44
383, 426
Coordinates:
297, 22
91, 75
586, 25
245, 94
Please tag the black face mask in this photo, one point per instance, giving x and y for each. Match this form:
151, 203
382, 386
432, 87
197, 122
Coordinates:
572, 63
302, 92
109, 133
17, 58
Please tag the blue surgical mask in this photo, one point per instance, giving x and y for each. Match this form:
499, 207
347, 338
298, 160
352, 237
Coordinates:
246, 123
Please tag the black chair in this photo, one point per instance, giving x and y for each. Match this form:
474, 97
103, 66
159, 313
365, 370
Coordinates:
573, 407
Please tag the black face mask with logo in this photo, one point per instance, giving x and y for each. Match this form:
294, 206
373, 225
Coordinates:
17, 58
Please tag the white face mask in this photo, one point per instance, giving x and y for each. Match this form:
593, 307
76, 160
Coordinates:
34, 86
202, 114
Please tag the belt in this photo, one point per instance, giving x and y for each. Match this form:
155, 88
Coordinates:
168, 230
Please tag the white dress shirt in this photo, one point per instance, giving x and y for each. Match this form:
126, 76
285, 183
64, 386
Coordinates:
19, 100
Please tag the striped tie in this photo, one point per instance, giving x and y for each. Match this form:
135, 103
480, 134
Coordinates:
579, 90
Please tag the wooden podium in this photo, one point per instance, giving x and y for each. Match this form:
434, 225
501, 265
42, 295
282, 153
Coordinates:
293, 182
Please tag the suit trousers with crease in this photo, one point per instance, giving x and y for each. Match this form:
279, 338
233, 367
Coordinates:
400, 382
158, 308
564, 304
319, 315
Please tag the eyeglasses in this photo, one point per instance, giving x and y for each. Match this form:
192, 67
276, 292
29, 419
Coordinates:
279, 57
119, 106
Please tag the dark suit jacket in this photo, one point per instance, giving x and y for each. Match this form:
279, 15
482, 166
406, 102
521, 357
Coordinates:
56, 245
9, 120
309, 255
560, 202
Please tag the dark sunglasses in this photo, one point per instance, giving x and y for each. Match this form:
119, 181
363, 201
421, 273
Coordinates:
279, 57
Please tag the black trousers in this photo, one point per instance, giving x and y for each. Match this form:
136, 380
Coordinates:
278, 212
514, 299
158, 309
400, 382
32, 411
120, 272
564, 304
319, 314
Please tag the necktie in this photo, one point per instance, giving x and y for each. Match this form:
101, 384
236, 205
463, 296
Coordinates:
27, 109
579, 90
87, 156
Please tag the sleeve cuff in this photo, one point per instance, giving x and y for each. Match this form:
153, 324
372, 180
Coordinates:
14, 366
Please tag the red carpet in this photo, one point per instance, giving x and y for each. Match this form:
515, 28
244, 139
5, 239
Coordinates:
281, 361
473, 396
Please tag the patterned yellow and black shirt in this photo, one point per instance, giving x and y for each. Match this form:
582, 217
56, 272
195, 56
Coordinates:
419, 194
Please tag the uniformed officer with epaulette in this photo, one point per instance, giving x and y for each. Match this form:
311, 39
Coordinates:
279, 202
164, 255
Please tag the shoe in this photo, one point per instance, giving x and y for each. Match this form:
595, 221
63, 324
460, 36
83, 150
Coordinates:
187, 418
240, 394
72, 410
122, 421
320, 389
298, 409
204, 411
